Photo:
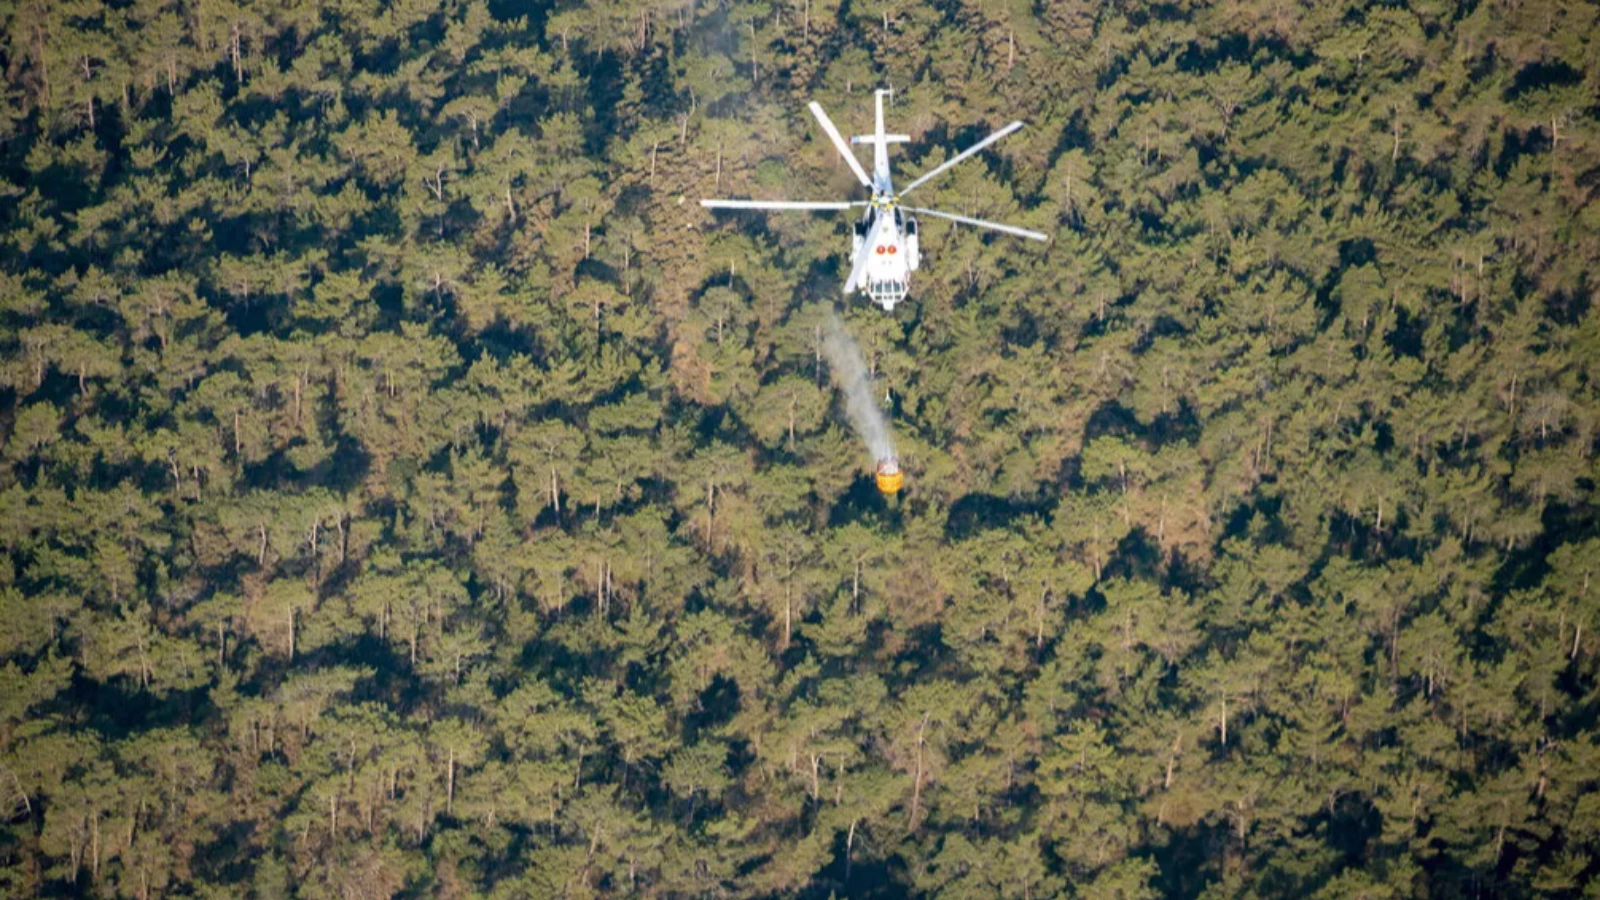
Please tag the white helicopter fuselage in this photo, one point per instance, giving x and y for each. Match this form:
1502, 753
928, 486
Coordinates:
895, 252
894, 255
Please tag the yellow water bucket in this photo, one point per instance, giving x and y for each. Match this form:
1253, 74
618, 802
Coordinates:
890, 478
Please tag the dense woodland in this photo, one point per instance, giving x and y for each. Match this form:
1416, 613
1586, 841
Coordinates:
408, 490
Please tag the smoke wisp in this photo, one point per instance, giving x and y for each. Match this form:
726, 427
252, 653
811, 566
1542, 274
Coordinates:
850, 374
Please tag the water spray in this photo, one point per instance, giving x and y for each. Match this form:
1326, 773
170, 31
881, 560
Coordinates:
866, 417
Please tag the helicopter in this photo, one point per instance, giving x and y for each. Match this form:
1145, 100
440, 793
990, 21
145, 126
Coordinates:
884, 248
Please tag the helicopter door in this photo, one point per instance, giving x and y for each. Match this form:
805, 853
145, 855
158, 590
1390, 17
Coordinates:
913, 248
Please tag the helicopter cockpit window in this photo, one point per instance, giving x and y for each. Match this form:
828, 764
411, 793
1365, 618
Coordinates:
887, 290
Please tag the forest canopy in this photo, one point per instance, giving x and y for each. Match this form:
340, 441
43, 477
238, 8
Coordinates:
408, 490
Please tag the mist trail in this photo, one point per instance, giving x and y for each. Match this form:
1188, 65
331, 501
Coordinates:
850, 374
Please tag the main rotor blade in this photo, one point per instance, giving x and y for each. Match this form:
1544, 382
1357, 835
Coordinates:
963, 155
981, 223
781, 204
859, 270
838, 142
